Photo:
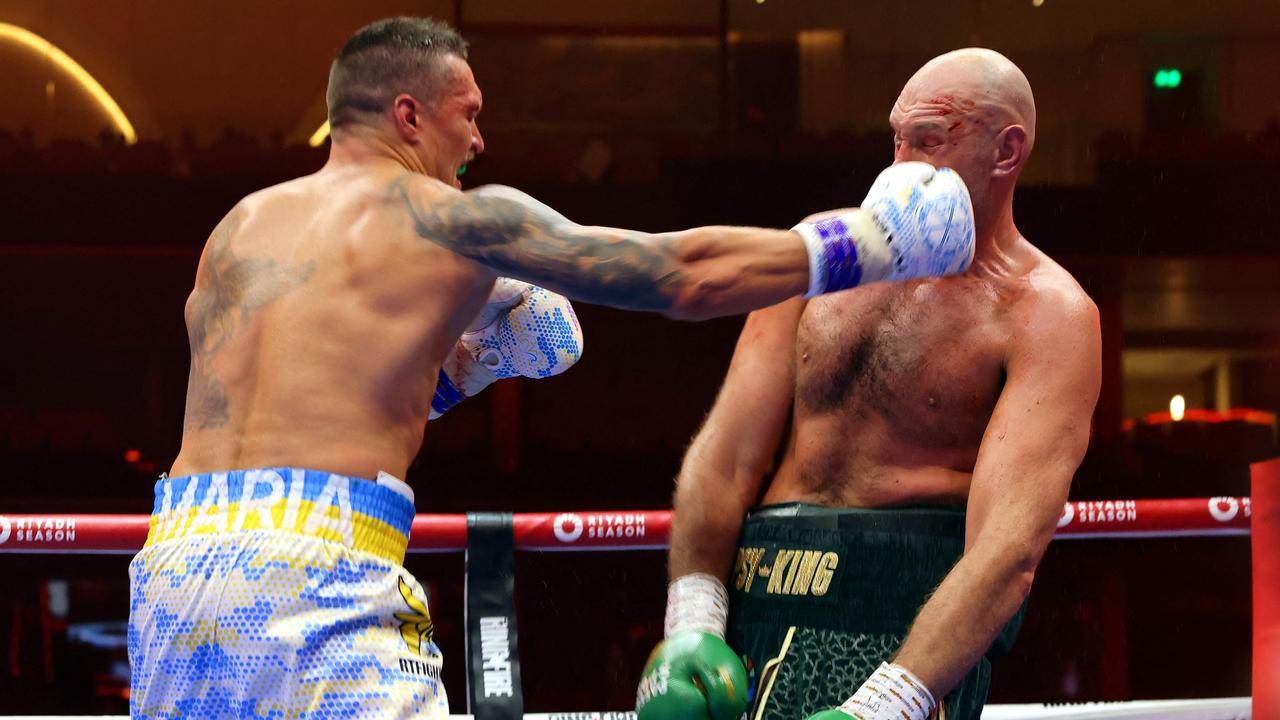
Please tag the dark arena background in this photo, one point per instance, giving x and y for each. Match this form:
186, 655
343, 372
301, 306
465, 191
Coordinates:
1154, 181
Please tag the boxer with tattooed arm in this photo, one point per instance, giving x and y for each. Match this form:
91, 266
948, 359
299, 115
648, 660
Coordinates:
332, 315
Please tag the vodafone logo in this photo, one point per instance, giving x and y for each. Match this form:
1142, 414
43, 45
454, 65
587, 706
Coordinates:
5, 529
1068, 514
1224, 509
567, 527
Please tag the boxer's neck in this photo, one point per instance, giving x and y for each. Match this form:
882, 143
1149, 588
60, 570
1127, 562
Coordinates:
995, 239
367, 146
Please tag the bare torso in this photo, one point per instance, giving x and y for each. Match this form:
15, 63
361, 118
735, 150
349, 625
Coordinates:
895, 385
318, 323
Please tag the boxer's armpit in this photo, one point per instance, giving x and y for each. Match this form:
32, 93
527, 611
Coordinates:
229, 289
520, 237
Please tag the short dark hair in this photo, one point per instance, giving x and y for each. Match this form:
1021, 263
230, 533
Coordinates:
386, 58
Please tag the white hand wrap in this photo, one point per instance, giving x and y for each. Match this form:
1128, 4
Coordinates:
697, 601
891, 693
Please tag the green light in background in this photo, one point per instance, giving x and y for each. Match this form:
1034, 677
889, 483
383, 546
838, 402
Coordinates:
1167, 78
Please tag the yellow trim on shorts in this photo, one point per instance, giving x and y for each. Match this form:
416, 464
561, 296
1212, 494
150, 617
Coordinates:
365, 533
773, 665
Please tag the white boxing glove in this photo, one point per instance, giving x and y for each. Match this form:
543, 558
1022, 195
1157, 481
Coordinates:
536, 337
522, 330
917, 221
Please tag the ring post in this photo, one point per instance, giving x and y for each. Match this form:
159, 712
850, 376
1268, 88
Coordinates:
494, 691
1266, 588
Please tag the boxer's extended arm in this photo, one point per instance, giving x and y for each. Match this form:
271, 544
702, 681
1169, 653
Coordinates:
1032, 447
692, 274
917, 221
724, 466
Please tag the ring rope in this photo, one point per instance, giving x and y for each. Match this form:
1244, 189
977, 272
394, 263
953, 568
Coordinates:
632, 529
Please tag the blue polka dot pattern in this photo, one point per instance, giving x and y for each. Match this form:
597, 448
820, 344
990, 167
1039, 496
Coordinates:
538, 338
263, 623
931, 224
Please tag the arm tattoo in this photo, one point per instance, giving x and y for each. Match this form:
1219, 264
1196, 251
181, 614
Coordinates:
227, 293
518, 236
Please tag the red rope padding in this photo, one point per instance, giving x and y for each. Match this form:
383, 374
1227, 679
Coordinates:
633, 529
1155, 518
73, 533
593, 530
1266, 590
438, 533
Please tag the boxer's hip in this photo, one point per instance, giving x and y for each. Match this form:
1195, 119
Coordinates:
819, 597
280, 590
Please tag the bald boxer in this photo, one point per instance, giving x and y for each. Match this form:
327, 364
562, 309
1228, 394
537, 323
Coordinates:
334, 314
921, 437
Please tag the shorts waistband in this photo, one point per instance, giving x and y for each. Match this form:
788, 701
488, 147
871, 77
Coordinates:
355, 512
910, 520
852, 570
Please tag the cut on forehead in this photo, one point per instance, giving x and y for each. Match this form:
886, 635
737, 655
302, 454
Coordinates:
980, 76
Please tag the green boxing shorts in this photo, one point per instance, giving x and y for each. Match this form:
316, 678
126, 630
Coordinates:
820, 596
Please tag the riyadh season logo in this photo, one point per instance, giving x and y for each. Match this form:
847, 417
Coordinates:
567, 527
1225, 509
1068, 514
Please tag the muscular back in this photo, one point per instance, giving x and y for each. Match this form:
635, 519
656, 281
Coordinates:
895, 385
318, 323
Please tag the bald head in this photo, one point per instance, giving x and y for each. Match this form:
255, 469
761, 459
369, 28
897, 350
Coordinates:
980, 79
970, 110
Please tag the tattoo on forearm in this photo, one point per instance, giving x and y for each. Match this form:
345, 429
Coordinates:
228, 291
528, 240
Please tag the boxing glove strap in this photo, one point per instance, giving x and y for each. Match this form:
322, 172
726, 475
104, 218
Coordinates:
447, 394
833, 255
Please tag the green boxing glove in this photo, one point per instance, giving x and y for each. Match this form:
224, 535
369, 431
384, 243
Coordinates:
828, 715
693, 674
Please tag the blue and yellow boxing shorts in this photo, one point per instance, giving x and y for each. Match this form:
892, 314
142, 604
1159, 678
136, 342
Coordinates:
279, 593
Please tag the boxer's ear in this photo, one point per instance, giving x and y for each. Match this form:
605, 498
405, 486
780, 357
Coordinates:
407, 115
1010, 151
